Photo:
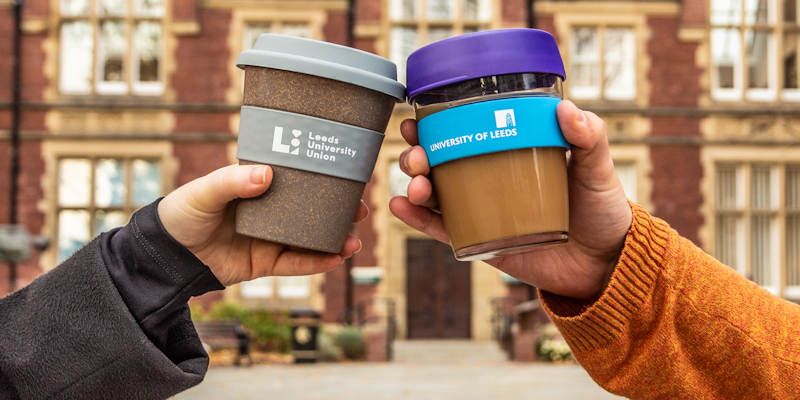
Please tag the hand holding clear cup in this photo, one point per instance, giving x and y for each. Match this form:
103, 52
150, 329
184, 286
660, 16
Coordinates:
600, 215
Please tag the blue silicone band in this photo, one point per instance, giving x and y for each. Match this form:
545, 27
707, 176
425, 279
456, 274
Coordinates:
490, 127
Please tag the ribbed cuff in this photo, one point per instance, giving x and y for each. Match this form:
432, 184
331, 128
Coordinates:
587, 326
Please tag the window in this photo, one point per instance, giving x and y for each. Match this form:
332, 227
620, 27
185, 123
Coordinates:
253, 30
398, 180
754, 47
757, 209
111, 47
287, 287
629, 177
602, 62
98, 194
419, 22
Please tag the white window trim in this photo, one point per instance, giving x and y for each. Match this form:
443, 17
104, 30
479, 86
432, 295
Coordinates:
130, 85
792, 292
740, 92
294, 292
790, 94
422, 25
249, 290
713, 155
565, 22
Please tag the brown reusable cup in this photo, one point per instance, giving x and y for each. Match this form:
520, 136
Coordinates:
316, 113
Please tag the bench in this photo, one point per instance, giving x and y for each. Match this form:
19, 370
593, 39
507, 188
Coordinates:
225, 335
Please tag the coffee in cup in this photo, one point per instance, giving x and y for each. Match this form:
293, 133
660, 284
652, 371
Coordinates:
316, 113
486, 109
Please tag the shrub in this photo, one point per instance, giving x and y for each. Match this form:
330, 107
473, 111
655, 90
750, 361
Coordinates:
351, 341
551, 346
268, 330
198, 313
224, 311
328, 351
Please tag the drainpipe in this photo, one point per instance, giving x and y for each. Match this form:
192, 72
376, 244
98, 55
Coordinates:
531, 16
351, 22
16, 100
349, 306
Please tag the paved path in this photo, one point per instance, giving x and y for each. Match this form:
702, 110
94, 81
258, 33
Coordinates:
423, 370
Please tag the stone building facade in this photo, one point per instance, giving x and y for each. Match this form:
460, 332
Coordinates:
125, 99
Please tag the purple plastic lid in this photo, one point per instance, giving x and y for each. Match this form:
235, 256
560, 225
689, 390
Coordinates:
479, 54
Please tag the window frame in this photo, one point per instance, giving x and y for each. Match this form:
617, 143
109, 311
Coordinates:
277, 292
637, 173
745, 213
127, 87
128, 206
777, 27
422, 25
242, 19
601, 28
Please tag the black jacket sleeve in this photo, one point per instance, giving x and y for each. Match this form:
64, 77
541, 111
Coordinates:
110, 322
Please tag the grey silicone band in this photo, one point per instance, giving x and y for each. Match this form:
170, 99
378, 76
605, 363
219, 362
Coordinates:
307, 143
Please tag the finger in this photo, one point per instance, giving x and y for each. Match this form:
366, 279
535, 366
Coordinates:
590, 161
352, 246
414, 161
363, 211
408, 129
211, 193
302, 262
420, 192
419, 218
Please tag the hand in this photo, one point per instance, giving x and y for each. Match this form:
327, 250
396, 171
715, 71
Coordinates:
600, 215
199, 216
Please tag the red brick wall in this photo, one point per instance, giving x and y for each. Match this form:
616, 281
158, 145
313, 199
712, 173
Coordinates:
676, 169
6, 46
369, 11
205, 122
547, 22
36, 9
335, 29
513, 12
673, 76
201, 71
185, 10
365, 230
333, 290
694, 12
32, 164
29, 195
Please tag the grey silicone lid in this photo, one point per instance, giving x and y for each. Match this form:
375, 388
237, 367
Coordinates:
327, 60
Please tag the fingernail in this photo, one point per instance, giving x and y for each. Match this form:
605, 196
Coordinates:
404, 158
360, 247
258, 175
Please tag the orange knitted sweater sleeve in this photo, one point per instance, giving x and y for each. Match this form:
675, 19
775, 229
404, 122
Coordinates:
674, 323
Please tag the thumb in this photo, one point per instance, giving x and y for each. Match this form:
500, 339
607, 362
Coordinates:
211, 193
590, 161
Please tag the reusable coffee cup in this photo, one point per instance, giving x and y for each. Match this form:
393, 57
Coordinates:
486, 109
316, 113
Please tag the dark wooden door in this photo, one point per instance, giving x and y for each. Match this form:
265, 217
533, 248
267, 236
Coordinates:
438, 292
